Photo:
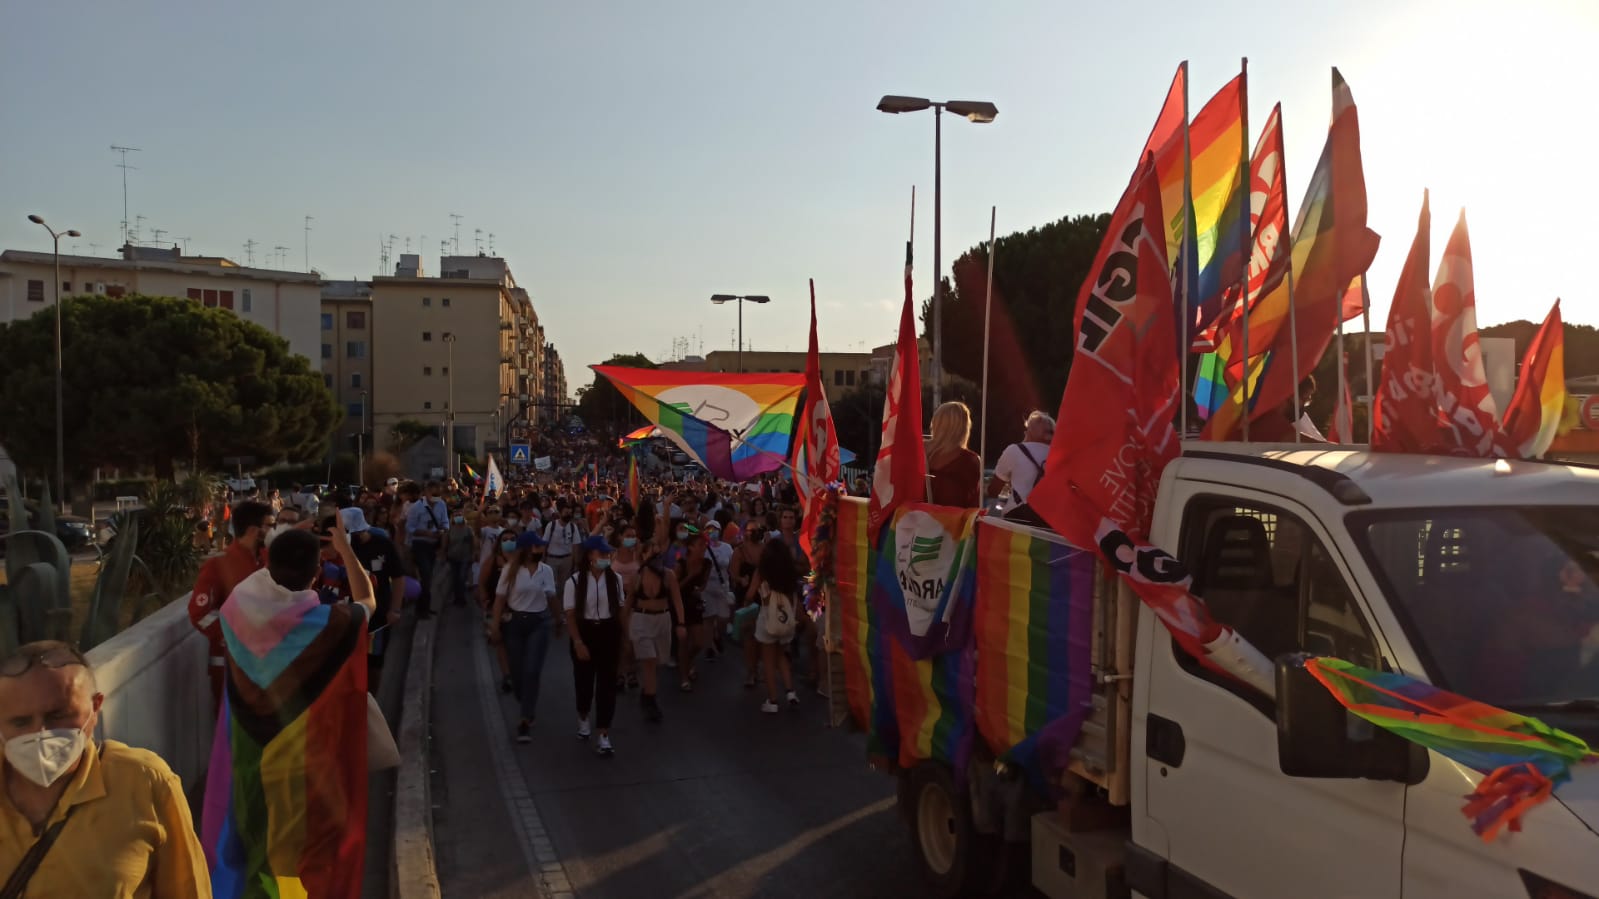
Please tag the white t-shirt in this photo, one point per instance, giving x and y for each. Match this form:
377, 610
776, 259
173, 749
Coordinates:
490, 538
1016, 469
533, 590
594, 604
720, 581
562, 536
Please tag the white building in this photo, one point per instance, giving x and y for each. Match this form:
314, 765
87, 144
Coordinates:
289, 304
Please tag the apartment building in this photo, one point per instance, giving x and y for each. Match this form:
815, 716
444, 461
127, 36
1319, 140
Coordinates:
841, 372
347, 353
285, 303
468, 332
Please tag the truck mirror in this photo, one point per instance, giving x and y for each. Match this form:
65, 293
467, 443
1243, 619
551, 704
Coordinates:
1318, 737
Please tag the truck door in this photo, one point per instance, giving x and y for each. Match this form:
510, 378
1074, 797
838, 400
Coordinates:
1233, 822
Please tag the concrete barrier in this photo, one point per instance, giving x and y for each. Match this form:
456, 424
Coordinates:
157, 694
416, 873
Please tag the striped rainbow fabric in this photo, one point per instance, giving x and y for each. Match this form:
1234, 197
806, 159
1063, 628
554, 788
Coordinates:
737, 426
911, 710
1033, 624
286, 792
1533, 417
1220, 211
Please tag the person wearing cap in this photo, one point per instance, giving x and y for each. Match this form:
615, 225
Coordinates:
525, 589
718, 587
593, 600
386, 568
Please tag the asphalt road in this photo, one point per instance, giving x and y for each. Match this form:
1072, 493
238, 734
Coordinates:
718, 800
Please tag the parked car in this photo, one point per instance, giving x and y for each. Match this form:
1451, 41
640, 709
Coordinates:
73, 531
241, 485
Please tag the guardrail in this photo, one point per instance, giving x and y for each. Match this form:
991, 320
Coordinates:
157, 692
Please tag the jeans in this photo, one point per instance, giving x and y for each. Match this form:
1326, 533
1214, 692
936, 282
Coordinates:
596, 678
527, 642
424, 554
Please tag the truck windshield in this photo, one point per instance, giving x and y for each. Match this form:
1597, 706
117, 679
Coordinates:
1502, 603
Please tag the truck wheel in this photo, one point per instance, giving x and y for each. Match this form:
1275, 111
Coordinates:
953, 855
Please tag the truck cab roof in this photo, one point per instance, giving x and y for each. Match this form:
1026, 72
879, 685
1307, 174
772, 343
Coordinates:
1356, 476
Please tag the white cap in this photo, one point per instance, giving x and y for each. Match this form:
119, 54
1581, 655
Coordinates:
391, 482
354, 520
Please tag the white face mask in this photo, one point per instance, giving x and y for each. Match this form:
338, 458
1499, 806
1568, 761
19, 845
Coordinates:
43, 757
276, 530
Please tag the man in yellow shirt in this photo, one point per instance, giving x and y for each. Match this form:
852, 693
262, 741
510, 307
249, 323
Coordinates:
80, 818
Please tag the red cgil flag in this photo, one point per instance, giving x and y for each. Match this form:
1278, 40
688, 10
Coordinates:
900, 475
816, 462
1466, 408
1404, 413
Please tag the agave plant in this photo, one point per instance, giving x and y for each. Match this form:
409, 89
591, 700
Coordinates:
36, 600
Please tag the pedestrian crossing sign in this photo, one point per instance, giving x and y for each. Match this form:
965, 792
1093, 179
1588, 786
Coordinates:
521, 454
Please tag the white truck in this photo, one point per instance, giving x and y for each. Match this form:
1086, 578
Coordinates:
1476, 575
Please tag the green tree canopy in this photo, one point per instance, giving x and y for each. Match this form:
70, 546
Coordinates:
152, 381
601, 405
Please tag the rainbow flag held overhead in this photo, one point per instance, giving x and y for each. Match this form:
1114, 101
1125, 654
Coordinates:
638, 436
1218, 183
1525, 759
632, 483
469, 472
912, 710
737, 426
286, 793
1033, 623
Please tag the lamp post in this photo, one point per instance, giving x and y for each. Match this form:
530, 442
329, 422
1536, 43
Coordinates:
981, 112
721, 298
360, 446
61, 442
449, 415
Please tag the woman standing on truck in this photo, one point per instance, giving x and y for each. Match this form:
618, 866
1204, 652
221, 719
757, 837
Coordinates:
954, 471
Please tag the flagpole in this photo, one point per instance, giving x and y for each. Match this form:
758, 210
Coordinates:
988, 309
1343, 384
1183, 312
1244, 162
1371, 393
1293, 327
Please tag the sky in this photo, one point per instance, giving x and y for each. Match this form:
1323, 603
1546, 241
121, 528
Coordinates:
632, 158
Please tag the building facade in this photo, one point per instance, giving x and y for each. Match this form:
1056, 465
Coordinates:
347, 354
842, 373
286, 303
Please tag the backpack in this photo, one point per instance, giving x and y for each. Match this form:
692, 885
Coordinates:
780, 615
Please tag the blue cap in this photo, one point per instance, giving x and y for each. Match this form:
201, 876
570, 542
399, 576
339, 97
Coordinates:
597, 544
531, 538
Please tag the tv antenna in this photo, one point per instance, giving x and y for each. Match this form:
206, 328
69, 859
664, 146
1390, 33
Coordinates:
457, 218
491, 243
308, 243
282, 253
123, 165
477, 241
185, 244
249, 252
158, 232
138, 227
94, 249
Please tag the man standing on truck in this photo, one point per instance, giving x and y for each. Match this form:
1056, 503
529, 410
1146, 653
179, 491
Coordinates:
1022, 464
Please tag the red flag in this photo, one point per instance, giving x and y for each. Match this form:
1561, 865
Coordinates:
1534, 415
816, 462
1404, 418
1466, 408
901, 472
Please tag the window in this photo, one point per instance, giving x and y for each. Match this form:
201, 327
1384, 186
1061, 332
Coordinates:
427, 370
327, 320
353, 410
246, 300
427, 405
327, 379
66, 286
427, 301
355, 380
427, 336
355, 349
1265, 573
445, 370
210, 298
225, 299
194, 293
88, 287
849, 378
445, 302
355, 321
838, 378
116, 290
327, 351
36, 291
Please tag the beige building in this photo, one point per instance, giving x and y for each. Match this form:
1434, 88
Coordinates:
469, 330
841, 372
285, 303
347, 354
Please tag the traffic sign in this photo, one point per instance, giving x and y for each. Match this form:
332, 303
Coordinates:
521, 454
1590, 412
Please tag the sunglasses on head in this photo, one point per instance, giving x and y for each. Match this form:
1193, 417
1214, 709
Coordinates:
54, 657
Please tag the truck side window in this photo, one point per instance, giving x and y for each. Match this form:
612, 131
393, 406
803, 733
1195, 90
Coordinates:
1265, 574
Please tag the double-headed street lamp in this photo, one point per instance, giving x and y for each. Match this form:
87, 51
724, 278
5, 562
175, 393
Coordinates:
982, 112
721, 298
61, 465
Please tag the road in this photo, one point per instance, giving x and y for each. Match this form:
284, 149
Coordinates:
719, 800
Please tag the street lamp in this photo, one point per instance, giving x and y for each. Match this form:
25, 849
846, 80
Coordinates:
981, 112
360, 446
721, 298
449, 415
61, 465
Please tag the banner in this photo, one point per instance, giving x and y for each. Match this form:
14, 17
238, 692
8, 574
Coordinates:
543, 463
816, 462
1404, 416
1466, 408
924, 581
900, 474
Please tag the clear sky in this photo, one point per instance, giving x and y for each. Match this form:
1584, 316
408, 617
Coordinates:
632, 158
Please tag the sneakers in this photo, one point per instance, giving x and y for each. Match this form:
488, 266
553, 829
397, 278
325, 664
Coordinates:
769, 707
669, 662
583, 728
792, 699
524, 733
605, 749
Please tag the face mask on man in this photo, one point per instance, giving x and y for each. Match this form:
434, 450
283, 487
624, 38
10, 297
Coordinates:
511, 522
44, 756
460, 519
601, 564
508, 546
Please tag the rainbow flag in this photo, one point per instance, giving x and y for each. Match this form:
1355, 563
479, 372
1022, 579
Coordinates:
737, 426
1033, 623
1210, 386
924, 580
1218, 182
911, 710
638, 436
1533, 416
285, 799
469, 472
1490, 740
632, 483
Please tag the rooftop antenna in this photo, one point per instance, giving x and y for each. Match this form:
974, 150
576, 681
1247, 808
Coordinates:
249, 252
94, 249
408, 244
185, 244
282, 254
457, 218
138, 226
123, 165
444, 248
158, 232
308, 243
477, 240
383, 255
491, 243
